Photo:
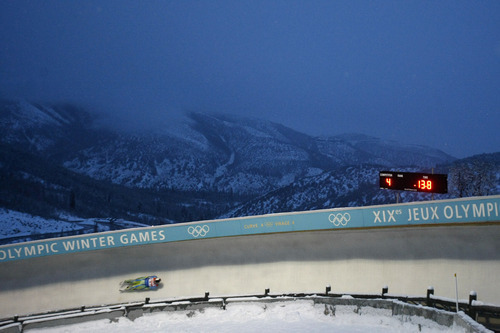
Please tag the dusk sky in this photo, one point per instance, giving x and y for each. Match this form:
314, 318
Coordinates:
420, 72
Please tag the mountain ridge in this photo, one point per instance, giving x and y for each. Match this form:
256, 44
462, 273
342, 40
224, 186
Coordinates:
208, 159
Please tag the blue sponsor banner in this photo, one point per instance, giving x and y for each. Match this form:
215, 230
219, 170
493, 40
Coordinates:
470, 210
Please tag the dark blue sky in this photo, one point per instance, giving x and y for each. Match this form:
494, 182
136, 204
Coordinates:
424, 72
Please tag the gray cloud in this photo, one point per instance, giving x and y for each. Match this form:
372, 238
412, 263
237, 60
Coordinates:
425, 73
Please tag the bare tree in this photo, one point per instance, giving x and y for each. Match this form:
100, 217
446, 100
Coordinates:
473, 177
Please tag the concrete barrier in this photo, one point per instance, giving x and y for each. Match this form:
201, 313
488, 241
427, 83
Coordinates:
406, 313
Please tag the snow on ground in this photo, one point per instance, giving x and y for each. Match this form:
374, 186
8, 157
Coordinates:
17, 226
297, 316
13, 223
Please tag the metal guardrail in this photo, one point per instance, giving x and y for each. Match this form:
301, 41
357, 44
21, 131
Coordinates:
486, 315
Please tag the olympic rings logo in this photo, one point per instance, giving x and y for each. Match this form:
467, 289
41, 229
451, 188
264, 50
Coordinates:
199, 231
339, 219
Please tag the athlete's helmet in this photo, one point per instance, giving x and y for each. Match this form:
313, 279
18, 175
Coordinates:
157, 280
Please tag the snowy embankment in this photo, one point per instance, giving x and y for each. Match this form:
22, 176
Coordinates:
281, 316
20, 227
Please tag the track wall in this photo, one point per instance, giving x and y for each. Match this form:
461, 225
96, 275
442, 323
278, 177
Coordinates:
407, 247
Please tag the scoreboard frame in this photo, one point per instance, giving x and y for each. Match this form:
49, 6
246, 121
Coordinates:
413, 181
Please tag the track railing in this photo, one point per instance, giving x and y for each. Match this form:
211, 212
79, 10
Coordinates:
468, 312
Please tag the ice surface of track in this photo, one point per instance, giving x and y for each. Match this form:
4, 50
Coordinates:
408, 260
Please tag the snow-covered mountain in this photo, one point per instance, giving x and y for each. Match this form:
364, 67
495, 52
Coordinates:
233, 154
201, 159
349, 186
43, 129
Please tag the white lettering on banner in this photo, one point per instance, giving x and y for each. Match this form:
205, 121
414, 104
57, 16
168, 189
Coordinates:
387, 215
18, 251
6, 254
478, 210
133, 239
458, 211
490, 208
466, 210
448, 209
69, 245
434, 213
29, 251
88, 243
123, 239
422, 213
80, 244
144, 237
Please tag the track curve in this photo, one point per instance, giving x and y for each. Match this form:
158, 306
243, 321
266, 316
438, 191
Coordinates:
407, 259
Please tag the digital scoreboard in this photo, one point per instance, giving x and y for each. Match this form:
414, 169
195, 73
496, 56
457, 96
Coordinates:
410, 181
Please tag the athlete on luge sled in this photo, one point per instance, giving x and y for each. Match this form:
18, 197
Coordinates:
141, 283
